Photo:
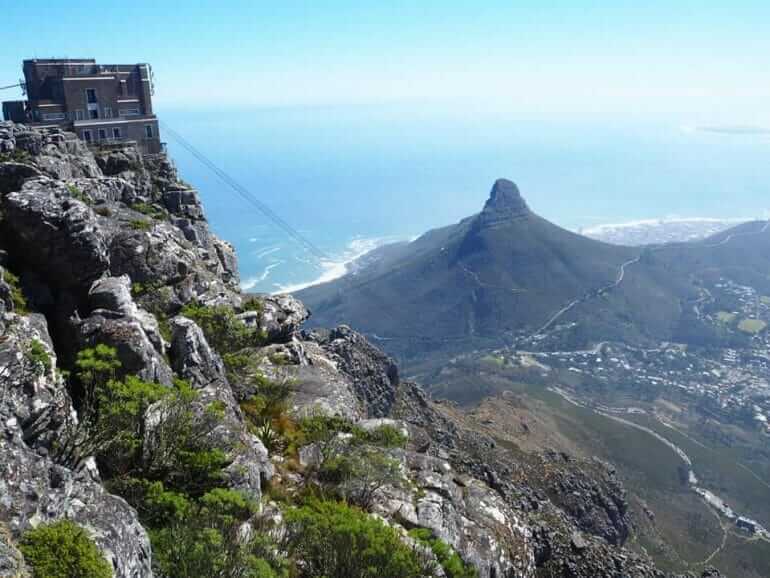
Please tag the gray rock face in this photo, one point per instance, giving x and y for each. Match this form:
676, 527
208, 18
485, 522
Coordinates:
595, 500
11, 560
280, 317
161, 256
374, 374
115, 320
13, 175
33, 401
34, 406
505, 199
34, 490
465, 513
318, 385
60, 235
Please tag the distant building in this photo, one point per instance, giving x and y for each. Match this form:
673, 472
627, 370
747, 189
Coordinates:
746, 524
102, 104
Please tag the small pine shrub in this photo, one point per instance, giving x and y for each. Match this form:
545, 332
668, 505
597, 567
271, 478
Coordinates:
38, 356
140, 225
385, 436
17, 295
223, 330
252, 304
450, 561
76, 193
63, 550
151, 211
334, 539
16, 156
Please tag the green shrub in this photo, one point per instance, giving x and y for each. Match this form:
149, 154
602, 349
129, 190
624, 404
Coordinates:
140, 225
16, 155
223, 330
450, 561
17, 295
204, 542
76, 193
385, 436
38, 356
356, 474
335, 540
252, 303
63, 550
112, 426
152, 211
322, 428
171, 473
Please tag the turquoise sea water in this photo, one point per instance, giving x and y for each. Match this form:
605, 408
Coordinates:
351, 178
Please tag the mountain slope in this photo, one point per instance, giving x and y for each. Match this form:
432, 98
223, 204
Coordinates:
498, 275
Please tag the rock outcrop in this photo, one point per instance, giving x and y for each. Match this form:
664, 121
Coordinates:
34, 489
193, 360
506, 200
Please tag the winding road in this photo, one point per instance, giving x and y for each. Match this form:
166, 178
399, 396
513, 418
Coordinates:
622, 275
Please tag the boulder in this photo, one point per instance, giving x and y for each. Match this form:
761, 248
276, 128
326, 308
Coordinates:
374, 374
115, 320
61, 237
280, 317
13, 175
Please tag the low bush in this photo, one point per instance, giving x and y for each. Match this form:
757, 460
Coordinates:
16, 156
252, 303
224, 331
450, 561
17, 295
140, 225
38, 356
385, 436
203, 539
356, 474
63, 550
152, 211
76, 193
334, 540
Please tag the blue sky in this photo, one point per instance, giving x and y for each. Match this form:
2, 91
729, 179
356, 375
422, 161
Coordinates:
698, 61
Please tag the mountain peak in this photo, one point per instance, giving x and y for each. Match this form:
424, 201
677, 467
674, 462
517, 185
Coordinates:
505, 198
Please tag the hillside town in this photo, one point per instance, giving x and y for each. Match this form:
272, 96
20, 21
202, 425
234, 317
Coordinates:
730, 378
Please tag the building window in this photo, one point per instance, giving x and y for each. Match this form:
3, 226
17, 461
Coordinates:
116, 133
53, 116
79, 114
148, 131
129, 112
102, 134
93, 113
91, 95
87, 135
107, 112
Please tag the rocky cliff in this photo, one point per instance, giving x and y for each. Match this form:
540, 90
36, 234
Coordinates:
111, 249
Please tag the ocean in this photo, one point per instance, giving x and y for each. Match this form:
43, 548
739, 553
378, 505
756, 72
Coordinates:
351, 178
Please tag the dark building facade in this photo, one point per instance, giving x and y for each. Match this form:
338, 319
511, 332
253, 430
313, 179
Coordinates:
102, 104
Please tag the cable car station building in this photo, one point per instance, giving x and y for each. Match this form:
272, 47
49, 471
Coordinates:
102, 104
